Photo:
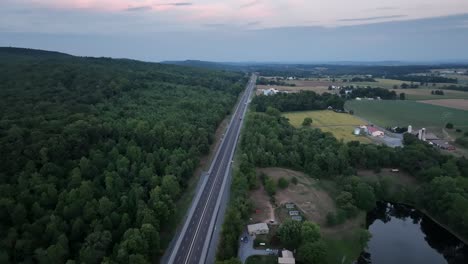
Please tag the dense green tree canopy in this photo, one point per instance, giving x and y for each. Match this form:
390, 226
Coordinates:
95, 152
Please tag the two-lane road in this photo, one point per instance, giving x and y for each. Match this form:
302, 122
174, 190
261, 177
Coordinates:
193, 240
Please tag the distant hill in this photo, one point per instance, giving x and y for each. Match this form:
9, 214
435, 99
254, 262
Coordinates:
210, 65
18, 53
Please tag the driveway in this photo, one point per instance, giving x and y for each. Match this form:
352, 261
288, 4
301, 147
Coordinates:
246, 248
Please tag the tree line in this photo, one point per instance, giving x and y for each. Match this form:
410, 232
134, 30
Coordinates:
384, 94
304, 100
94, 153
276, 81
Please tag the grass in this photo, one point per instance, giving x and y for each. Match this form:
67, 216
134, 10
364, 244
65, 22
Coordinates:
404, 113
421, 93
262, 260
343, 250
340, 125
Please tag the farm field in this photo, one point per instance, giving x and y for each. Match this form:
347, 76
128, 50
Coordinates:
425, 94
389, 83
340, 125
403, 113
452, 103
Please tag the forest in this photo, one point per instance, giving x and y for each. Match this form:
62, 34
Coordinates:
94, 152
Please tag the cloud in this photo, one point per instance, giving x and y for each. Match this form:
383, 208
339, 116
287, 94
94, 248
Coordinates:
387, 8
177, 4
215, 25
370, 18
253, 23
138, 8
250, 4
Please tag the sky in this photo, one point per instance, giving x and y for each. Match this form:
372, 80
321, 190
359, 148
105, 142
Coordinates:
241, 30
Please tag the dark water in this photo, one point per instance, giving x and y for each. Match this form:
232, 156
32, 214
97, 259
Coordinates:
401, 234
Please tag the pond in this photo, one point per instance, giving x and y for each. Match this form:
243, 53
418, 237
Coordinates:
401, 234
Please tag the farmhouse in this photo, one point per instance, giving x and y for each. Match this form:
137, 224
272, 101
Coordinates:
375, 132
270, 91
258, 229
287, 257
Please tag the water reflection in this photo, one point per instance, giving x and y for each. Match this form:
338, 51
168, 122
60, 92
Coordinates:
401, 234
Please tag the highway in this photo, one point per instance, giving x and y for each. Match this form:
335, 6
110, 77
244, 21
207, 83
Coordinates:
193, 240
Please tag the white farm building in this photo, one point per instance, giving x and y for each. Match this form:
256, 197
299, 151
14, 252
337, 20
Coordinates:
258, 229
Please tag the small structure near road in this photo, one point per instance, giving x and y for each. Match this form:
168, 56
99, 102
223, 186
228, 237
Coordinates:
258, 229
290, 206
287, 257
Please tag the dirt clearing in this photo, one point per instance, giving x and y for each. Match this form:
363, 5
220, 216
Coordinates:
452, 103
312, 201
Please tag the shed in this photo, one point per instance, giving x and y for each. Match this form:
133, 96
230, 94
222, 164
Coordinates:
287, 257
296, 218
291, 213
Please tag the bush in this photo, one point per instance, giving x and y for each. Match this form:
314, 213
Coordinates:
458, 130
307, 121
294, 180
331, 219
449, 125
283, 183
270, 186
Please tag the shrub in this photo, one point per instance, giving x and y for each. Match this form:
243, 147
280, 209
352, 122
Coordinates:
283, 183
307, 121
294, 180
449, 125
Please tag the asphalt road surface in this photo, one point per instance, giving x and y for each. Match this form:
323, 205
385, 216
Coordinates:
191, 244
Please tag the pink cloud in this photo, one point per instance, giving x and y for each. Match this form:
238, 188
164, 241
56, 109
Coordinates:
109, 5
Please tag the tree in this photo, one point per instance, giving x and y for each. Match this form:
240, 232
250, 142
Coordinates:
95, 247
270, 186
290, 234
312, 252
365, 197
307, 121
449, 126
230, 261
171, 186
402, 96
310, 232
283, 183
363, 236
